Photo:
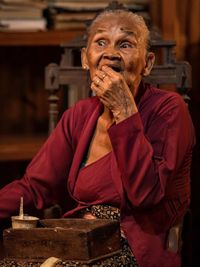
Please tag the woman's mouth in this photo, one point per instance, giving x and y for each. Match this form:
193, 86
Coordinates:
116, 68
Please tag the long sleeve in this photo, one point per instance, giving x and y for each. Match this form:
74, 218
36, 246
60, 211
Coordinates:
45, 180
155, 152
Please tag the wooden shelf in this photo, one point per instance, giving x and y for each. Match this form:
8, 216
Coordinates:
20, 148
39, 38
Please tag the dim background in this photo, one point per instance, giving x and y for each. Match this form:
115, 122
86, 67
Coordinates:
23, 99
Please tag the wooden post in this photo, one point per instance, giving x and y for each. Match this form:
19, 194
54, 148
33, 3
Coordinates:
163, 15
168, 19
52, 85
170, 16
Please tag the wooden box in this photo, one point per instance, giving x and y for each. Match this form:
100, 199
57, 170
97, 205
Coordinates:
68, 239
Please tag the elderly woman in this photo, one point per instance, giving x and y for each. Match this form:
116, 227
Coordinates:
126, 150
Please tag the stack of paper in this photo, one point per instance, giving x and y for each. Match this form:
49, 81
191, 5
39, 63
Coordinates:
22, 15
69, 14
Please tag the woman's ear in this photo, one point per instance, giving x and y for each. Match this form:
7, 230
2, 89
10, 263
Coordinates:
150, 58
84, 61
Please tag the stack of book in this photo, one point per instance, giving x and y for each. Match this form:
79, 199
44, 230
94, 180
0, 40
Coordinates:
22, 15
69, 14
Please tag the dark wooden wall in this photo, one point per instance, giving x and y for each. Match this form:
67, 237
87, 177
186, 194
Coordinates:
23, 100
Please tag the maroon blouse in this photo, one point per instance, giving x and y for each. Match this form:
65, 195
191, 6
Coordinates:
96, 192
150, 169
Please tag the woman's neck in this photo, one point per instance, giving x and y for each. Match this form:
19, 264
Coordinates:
106, 118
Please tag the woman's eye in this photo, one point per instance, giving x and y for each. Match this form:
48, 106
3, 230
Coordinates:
126, 45
101, 42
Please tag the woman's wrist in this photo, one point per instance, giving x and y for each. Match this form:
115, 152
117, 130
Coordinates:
124, 113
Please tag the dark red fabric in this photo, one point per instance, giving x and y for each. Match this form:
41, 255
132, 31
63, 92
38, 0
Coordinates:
95, 191
150, 169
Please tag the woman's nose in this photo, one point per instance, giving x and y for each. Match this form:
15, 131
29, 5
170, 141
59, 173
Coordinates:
111, 53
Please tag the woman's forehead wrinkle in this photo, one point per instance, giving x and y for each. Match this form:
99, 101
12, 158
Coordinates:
129, 32
122, 29
97, 30
100, 30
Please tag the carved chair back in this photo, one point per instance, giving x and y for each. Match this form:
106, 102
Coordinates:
167, 73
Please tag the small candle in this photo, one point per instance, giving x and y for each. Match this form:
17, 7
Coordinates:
21, 209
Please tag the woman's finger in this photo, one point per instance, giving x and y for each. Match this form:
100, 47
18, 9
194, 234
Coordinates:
95, 88
101, 74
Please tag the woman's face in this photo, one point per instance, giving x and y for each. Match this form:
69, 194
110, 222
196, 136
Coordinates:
115, 41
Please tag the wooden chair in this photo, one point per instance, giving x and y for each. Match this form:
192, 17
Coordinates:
166, 71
